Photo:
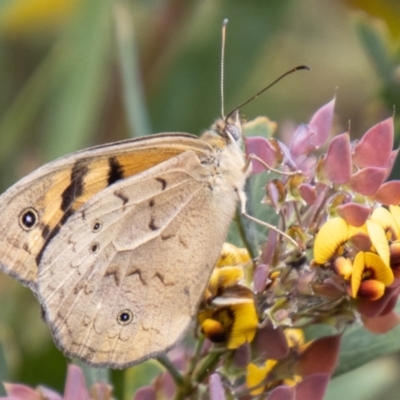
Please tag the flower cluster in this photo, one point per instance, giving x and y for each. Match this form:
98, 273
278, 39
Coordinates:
345, 221
334, 258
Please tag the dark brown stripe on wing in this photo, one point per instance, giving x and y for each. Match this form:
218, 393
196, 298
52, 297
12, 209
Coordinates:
74, 190
76, 186
52, 234
115, 172
46, 241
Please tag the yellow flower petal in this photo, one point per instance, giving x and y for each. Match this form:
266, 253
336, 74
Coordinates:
369, 267
379, 240
255, 375
354, 230
229, 276
381, 272
395, 211
293, 381
228, 271
385, 219
244, 326
330, 239
233, 256
212, 287
294, 336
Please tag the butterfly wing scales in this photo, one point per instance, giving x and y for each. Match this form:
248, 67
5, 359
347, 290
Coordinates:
160, 233
56, 190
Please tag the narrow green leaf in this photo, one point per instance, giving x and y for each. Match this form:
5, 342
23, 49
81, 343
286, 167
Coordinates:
76, 105
375, 42
22, 111
135, 107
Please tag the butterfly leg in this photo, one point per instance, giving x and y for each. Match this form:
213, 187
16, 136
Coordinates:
243, 200
267, 167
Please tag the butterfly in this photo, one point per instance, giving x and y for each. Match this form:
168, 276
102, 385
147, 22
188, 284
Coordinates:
118, 241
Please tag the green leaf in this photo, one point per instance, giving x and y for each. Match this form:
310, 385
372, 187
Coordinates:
188, 96
21, 113
77, 99
376, 380
360, 346
134, 102
374, 39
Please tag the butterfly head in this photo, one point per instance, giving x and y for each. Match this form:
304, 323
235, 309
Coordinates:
228, 130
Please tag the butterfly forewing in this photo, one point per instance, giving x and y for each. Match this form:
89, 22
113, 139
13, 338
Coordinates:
34, 209
123, 277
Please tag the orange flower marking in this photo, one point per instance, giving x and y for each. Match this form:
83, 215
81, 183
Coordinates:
395, 258
370, 276
371, 289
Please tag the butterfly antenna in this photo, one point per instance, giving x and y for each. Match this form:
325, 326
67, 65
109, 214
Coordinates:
224, 23
300, 67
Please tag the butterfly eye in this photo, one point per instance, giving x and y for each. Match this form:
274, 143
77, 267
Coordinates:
234, 131
97, 226
28, 219
94, 247
125, 317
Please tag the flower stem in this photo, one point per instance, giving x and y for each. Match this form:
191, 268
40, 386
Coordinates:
207, 366
167, 364
197, 350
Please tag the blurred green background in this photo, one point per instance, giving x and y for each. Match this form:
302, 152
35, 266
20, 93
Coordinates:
74, 73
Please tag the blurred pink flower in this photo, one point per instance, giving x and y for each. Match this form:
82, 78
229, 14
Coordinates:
75, 389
